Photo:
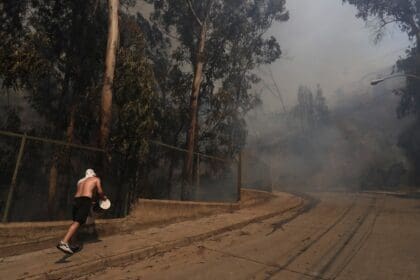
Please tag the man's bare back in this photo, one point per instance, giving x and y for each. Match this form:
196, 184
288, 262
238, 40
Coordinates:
82, 206
88, 186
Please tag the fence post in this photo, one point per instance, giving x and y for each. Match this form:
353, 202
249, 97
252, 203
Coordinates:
13, 183
239, 180
126, 203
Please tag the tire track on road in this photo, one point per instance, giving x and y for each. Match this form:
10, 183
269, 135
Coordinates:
345, 241
359, 245
261, 263
310, 244
313, 202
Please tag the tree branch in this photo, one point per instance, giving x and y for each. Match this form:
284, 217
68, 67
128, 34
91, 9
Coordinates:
194, 13
209, 7
161, 29
278, 89
385, 22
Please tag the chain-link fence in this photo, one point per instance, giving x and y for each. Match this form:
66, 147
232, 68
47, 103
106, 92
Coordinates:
38, 177
256, 173
214, 178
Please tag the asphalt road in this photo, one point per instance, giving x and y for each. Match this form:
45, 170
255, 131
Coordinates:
337, 236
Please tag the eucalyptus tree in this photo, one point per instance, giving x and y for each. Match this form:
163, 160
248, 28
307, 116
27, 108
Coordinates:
135, 113
49, 54
322, 114
219, 43
108, 79
304, 111
406, 15
53, 52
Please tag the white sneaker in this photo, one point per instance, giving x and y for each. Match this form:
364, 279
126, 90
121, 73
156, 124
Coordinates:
64, 247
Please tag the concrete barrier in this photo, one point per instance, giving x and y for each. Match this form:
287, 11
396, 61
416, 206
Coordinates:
16, 238
250, 197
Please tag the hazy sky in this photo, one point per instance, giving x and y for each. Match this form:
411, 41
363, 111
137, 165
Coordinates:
323, 42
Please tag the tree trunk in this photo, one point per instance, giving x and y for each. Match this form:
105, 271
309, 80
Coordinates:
173, 161
111, 51
60, 157
52, 187
192, 131
70, 126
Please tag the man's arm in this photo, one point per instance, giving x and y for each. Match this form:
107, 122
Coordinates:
100, 190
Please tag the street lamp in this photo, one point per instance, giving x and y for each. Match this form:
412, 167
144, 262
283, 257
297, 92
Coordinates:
377, 81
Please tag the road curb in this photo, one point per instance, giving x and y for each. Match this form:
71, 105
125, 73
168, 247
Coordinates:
79, 270
23, 237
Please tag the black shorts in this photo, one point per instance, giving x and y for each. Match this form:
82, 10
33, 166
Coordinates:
81, 209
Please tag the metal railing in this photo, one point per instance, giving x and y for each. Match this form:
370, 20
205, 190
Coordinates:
29, 159
23, 141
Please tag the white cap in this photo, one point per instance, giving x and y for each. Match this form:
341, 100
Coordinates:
90, 173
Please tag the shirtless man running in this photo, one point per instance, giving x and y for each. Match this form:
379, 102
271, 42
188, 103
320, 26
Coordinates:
81, 206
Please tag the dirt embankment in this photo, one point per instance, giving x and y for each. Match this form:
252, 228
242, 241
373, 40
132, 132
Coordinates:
16, 238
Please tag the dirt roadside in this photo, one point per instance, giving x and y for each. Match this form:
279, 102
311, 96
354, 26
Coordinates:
345, 236
137, 245
24, 237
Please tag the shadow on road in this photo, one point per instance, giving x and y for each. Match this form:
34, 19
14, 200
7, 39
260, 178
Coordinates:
310, 203
63, 259
87, 234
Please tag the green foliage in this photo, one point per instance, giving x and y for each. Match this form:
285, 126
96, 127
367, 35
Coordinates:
311, 112
378, 175
53, 53
58, 63
406, 14
135, 98
409, 142
53, 58
235, 45
9, 120
410, 100
322, 114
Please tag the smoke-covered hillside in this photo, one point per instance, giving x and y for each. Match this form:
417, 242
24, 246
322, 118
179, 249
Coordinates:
357, 148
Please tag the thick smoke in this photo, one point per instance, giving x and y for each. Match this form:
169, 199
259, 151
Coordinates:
356, 150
